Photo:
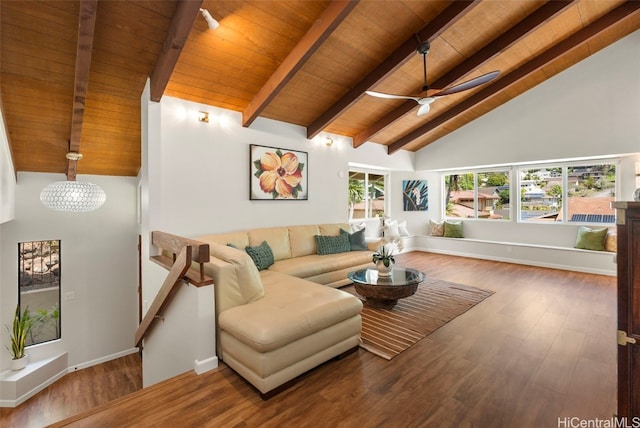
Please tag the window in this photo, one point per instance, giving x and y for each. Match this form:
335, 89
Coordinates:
366, 194
580, 193
39, 287
479, 195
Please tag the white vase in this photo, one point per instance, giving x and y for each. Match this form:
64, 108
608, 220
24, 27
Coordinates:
382, 269
19, 364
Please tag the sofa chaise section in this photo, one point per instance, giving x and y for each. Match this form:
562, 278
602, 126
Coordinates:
271, 326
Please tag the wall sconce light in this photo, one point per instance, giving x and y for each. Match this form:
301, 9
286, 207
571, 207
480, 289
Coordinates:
203, 116
211, 21
329, 141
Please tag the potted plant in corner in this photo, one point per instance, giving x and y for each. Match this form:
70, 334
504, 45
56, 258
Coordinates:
18, 334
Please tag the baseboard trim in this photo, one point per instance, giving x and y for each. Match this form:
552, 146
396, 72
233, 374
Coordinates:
102, 359
202, 366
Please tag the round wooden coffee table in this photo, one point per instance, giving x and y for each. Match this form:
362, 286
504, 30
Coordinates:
384, 292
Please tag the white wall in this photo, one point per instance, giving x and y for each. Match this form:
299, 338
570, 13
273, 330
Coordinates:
591, 109
99, 264
196, 181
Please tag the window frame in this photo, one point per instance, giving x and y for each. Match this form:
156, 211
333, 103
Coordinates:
366, 199
515, 186
475, 172
565, 165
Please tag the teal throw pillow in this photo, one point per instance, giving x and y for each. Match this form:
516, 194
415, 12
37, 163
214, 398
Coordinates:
262, 255
332, 244
453, 229
356, 240
591, 239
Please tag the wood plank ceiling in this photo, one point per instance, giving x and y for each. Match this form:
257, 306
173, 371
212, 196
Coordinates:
301, 62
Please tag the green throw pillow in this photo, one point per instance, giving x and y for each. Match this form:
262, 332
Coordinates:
262, 255
591, 239
356, 240
332, 244
453, 229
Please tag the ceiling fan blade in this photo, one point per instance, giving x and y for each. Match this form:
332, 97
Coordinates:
469, 84
392, 96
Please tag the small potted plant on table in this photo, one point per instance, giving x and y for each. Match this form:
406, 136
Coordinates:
18, 334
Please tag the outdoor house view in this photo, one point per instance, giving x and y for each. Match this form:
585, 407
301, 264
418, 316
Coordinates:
580, 194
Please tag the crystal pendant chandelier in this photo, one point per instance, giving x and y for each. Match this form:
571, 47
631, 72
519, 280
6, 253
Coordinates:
73, 196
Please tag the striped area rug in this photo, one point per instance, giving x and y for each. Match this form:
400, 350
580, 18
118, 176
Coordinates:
387, 333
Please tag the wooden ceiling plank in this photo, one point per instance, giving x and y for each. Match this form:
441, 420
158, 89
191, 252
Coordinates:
401, 55
625, 10
86, 29
540, 16
181, 24
322, 28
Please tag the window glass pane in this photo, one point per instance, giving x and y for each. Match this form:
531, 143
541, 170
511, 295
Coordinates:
356, 195
493, 195
376, 195
541, 191
366, 194
590, 191
459, 195
39, 286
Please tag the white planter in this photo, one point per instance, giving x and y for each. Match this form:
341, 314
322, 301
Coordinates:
20, 363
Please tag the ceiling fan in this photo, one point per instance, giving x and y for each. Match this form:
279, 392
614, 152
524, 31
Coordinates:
425, 101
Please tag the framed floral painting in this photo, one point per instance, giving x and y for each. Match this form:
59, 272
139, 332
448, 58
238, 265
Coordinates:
278, 174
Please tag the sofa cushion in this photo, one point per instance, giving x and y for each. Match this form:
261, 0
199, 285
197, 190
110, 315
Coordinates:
261, 255
313, 265
295, 309
333, 229
591, 239
356, 240
239, 239
453, 229
302, 240
332, 244
277, 237
240, 278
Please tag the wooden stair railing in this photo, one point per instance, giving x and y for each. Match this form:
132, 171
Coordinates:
185, 252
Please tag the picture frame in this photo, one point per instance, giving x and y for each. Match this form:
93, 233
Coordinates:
277, 174
415, 195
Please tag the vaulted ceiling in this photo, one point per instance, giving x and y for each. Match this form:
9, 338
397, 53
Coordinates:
72, 72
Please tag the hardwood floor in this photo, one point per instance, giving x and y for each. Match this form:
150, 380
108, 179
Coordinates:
542, 347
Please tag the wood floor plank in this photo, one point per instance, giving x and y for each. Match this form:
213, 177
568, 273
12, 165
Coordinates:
542, 347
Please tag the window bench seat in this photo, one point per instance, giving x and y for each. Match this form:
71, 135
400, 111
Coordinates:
557, 257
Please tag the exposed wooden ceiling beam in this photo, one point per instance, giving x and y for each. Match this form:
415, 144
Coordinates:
332, 16
504, 41
181, 24
401, 55
86, 27
623, 11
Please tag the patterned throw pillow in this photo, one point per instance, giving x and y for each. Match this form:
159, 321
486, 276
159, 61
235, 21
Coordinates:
262, 255
453, 229
356, 240
332, 244
591, 239
436, 228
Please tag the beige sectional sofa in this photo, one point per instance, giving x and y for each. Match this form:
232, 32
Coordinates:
277, 323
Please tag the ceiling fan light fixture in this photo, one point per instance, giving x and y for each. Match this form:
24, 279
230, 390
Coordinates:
73, 196
211, 21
